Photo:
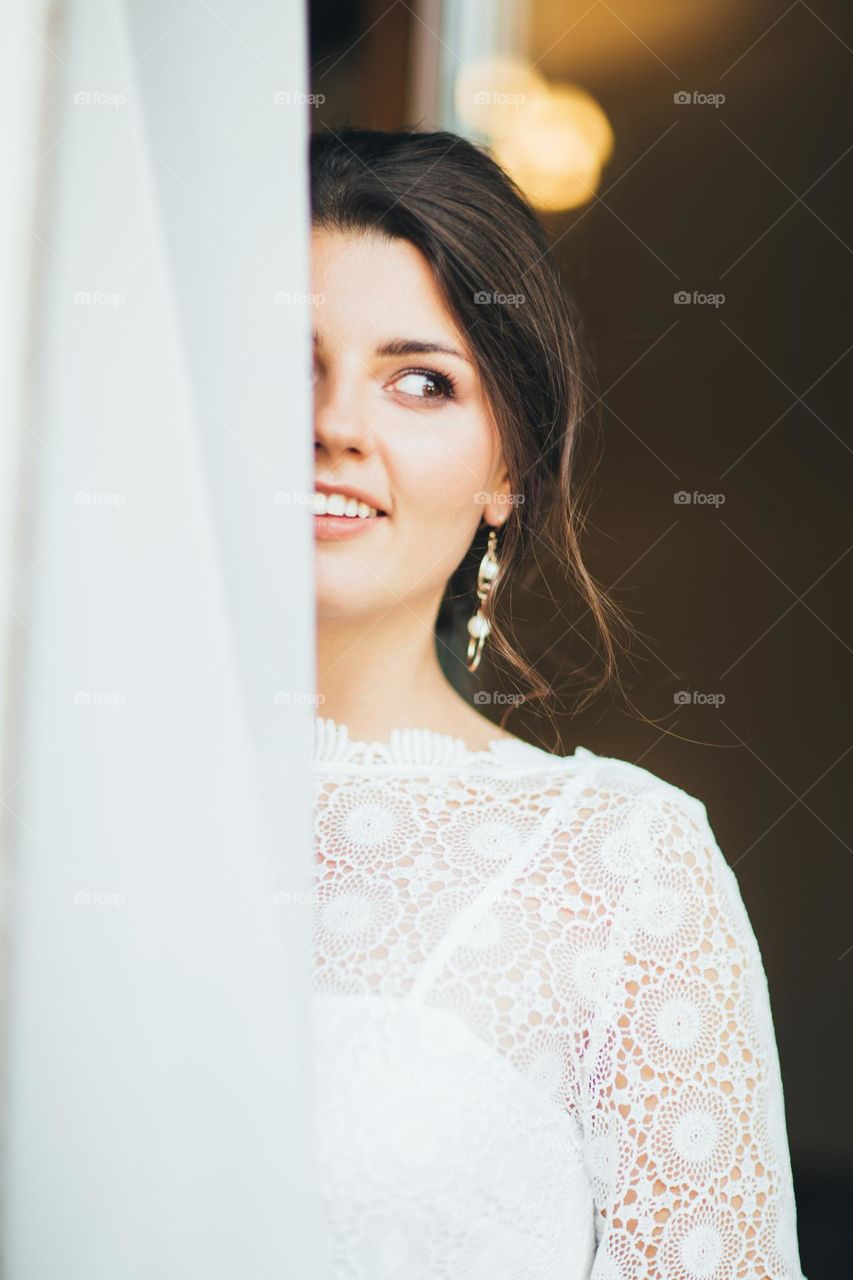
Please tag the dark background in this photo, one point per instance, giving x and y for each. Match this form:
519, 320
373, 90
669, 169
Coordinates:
747, 599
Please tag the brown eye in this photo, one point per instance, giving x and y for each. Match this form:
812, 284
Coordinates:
426, 384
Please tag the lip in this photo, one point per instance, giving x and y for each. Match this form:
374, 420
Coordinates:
339, 528
349, 491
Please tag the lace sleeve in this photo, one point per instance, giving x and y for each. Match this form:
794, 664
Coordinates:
682, 1102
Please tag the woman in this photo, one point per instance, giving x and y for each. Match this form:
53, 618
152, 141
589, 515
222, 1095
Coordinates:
544, 1044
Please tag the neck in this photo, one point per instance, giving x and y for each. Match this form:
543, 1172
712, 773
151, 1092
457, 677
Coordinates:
377, 673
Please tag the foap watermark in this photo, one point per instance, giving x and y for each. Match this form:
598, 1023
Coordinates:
684, 298
96, 898
93, 498
499, 499
483, 298
294, 898
684, 499
95, 298
695, 698
497, 699
98, 98
284, 298
696, 98
98, 698
293, 498
485, 98
288, 98
297, 698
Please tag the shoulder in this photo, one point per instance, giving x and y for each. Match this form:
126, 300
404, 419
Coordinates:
612, 800
624, 827
645, 854
621, 781
614, 789
611, 823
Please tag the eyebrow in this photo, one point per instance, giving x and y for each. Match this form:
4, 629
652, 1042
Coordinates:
410, 347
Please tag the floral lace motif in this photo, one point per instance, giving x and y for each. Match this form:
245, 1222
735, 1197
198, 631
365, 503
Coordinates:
544, 1046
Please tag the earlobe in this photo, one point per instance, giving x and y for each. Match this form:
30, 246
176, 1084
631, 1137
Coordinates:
497, 511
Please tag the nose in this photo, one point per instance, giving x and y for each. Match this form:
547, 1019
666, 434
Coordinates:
341, 419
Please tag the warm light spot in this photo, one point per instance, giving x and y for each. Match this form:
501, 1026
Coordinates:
489, 94
556, 146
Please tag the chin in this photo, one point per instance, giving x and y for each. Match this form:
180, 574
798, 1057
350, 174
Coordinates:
345, 600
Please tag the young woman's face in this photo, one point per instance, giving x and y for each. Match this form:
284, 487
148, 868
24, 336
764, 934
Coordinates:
409, 430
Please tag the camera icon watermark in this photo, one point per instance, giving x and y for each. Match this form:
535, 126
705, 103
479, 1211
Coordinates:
297, 698
484, 98
98, 698
95, 898
284, 298
685, 98
289, 98
97, 98
93, 498
293, 498
95, 298
695, 698
682, 498
684, 298
484, 298
482, 498
484, 698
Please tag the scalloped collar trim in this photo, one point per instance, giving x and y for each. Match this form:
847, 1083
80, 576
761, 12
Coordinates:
332, 744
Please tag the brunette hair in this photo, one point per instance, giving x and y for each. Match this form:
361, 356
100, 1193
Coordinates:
482, 239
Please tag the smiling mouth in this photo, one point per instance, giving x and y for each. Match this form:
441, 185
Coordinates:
341, 506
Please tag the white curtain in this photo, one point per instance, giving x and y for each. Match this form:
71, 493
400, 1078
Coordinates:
157, 642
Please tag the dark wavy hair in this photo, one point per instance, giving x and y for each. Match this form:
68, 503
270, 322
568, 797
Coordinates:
454, 203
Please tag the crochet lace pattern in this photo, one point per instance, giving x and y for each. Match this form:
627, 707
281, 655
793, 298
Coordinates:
543, 1041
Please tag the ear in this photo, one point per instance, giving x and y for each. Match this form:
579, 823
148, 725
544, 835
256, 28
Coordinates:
496, 511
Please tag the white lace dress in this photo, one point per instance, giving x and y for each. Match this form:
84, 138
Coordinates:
543, 1041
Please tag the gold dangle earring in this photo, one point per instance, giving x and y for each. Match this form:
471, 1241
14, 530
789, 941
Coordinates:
478, 625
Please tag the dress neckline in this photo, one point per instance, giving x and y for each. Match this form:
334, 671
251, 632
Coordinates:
333, 745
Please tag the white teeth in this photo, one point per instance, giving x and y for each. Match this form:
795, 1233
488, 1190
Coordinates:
338, 504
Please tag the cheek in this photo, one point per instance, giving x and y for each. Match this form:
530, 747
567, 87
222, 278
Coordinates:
442, 468
439, 482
